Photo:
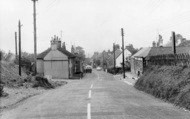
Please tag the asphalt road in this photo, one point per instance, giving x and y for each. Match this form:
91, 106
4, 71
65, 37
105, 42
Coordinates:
98, 96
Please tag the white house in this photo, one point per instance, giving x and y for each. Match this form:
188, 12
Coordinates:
119, 57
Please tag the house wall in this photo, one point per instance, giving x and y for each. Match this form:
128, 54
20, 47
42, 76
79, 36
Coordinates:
40, 66
55, 55
119, 59
71, 67
137, 65
56, 69
56, 65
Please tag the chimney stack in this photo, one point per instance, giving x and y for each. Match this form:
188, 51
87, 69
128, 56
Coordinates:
153, 44
64, 46
55, 43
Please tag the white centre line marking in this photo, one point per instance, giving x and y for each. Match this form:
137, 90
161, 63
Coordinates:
91, 86
88, 111
89, 94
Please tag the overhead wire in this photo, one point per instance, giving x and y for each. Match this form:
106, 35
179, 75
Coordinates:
49, 6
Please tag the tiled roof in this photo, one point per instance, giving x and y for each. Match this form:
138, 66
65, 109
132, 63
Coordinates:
117, 53
43, 54
66, 53
153, 51
168, 50
143, 52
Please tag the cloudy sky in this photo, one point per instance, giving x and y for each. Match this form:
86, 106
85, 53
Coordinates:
93, 24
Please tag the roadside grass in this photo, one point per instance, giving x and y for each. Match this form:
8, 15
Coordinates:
15, 88
170, 83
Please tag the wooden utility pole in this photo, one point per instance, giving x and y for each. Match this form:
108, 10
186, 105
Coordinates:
103, 61
16, 44
19, 36
174, 42
123, 50
35, 35
114, 57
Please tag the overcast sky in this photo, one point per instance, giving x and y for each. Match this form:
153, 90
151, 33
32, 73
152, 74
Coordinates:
93, 24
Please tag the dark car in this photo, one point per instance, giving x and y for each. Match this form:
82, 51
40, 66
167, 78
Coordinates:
88, 69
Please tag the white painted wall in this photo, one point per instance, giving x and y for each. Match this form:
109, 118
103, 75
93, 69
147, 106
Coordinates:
119, 59
56, 69
55, 55
56, 65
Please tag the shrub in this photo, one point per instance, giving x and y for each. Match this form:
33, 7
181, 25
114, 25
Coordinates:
171, 83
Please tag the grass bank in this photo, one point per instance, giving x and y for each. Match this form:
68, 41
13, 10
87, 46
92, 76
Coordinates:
170, 83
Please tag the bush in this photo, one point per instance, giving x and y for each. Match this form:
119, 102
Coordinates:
42, 82
1, 90
171, 83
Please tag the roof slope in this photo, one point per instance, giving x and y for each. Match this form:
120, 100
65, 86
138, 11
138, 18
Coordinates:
43, 54
168, 50
153, 51
142, 53
66, 52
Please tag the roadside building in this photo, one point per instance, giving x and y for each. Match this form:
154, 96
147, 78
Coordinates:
56, 61
139, 61
119, 58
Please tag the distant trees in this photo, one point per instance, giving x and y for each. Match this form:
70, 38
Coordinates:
79, 51
117, 46
131, 49
179, 40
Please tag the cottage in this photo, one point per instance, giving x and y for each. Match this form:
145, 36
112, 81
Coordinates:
139, 60
56, 61
119, 58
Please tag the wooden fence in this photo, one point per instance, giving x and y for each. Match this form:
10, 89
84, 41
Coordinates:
169, 59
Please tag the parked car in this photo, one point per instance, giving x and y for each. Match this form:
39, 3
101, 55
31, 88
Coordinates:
88, 69
99, 68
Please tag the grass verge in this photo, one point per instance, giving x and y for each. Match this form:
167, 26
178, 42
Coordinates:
170, 83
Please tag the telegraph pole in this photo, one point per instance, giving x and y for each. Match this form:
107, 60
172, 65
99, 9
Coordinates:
174, 42
35, 35
114, 57
19, 36
123, 50
16, 44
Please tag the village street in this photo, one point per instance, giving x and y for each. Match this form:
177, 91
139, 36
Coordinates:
97, 96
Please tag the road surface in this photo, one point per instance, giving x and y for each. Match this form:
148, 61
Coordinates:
98, 96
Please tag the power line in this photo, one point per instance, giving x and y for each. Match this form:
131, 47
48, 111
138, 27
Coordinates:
51, 5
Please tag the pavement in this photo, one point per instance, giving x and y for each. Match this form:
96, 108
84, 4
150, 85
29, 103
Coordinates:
98, 95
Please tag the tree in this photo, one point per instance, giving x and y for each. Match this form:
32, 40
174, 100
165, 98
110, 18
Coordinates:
98, 62
79, 51
131, 49
117, 46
